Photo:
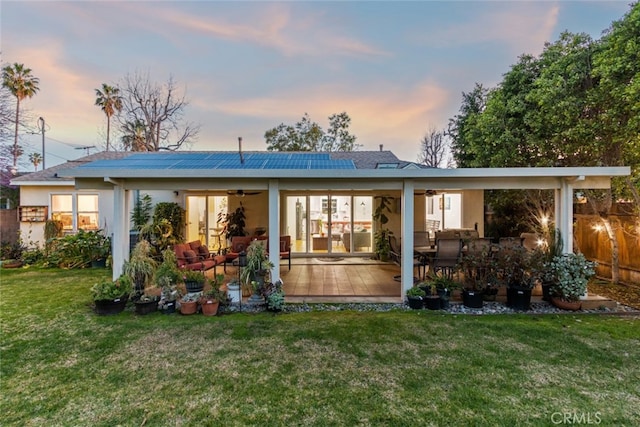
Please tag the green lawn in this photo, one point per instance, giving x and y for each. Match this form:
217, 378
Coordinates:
63, 365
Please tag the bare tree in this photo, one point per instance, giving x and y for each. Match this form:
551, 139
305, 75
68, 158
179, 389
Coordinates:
434, 149
161, 108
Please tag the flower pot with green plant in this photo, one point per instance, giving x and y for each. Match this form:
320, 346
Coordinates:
515, 271
110, 296
571, 274
415, 297
189, 303
141, 266
194, 280
167, 277
257, 267
211, 298
273, 294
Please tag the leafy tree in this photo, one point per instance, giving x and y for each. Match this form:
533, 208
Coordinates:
463, 129
159, 109
306, 135
110, 102
577, 104
22, 84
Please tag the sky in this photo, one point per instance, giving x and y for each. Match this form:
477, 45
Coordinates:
398, 69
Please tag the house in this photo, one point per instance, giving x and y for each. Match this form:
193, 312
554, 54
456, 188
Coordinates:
318, 198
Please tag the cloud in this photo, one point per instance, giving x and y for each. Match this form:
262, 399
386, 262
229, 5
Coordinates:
523, 27
270, 25
66, 94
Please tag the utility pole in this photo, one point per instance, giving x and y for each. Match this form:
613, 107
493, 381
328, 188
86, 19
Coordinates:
41, 126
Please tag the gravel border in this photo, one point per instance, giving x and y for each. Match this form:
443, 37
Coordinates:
489, 307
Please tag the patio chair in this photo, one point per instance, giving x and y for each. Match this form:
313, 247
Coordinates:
447, 256
419, 262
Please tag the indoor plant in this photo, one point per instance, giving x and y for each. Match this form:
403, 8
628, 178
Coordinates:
233, 222
110, 296
571, 273
382, 246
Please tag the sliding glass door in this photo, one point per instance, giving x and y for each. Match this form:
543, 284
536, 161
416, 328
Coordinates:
329, 224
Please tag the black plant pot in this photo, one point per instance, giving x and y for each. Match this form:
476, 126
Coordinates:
546, 291
107, 307
169, 307
472, 299
432, 302
193, 286
519, 298
445, 297
146, 307
415, 302
99, 263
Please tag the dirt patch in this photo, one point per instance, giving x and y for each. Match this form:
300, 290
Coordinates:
626, 294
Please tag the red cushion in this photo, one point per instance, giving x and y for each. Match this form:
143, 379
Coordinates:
202, 250
190, 256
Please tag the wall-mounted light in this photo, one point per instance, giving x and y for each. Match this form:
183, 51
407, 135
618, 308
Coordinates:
176, 193
598, 228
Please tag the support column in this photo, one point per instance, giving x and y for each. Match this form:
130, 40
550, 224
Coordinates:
406, 243
274, 227
566, 215
119, 244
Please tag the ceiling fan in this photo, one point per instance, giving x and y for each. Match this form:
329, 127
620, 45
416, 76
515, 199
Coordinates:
242, 193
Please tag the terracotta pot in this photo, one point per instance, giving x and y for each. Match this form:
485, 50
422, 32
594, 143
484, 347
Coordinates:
189, 307
209, 307
566, 305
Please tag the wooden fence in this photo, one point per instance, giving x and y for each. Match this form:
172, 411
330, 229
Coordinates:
595, 245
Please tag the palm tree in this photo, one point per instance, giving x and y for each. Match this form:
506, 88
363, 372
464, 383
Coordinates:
135, 135
109, 100
21, 84
36, 159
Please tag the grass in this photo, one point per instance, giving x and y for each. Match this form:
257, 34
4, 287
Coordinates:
63, 365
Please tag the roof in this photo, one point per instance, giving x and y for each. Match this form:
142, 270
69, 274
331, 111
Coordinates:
50, 175
247, 160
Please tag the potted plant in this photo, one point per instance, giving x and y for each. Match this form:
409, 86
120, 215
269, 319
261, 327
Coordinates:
233, 223
571, 273
146, 304
541, 261
444, 286
415, 297
273, 294
166, 278
257, 267
382, 246
189, 303
515, 271
432, 299
193, 280
141, 266
210, 299
234, 293
479, 269
100, 248
110, 296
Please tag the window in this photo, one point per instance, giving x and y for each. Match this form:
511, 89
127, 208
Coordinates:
87, 212
81, 207
62, 210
